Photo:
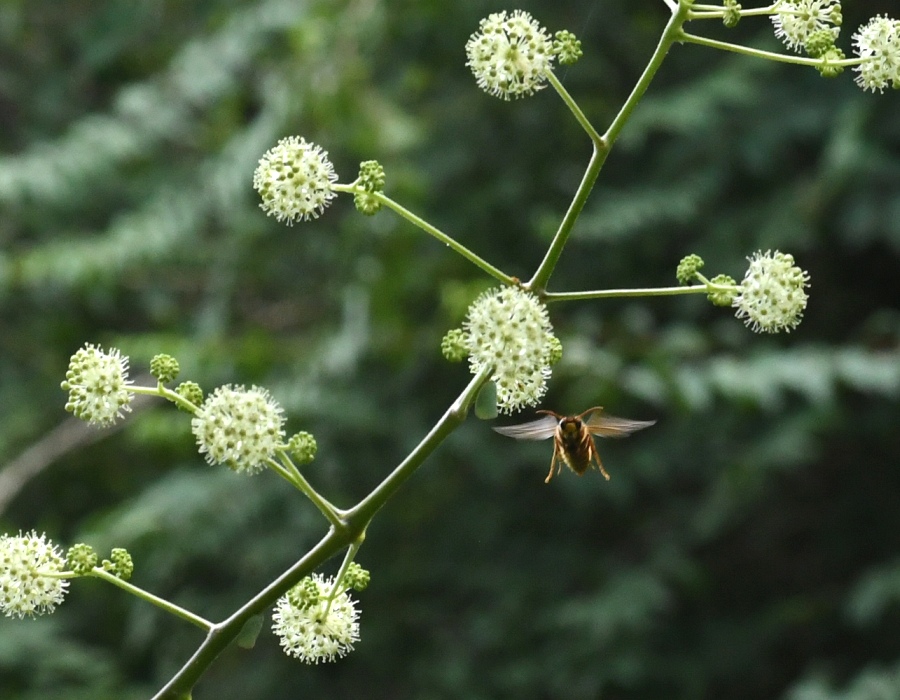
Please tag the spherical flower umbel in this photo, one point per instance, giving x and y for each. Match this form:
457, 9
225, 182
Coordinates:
878, 44
796, 21
772, 296
239, 427
97, 383
294, 180
27, 582
510, 55
508, 330
311, 627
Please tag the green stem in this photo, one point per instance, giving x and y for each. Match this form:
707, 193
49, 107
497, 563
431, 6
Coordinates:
469, 255
162, 391
769, 55
538, 282
353, 527
718, 11
289, 472
339, 586
222, 634
573, 107
671, 34
602, 146
187, 615
618, 293
361, 514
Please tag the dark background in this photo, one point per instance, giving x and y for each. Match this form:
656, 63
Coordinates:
747, 546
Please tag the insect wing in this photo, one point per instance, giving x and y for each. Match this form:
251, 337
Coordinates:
605, 425
539, 429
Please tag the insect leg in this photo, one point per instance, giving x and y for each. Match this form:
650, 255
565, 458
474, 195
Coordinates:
596, 457
554, 462
550, 473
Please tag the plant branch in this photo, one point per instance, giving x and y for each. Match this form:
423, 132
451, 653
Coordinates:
350, 534
618, 293
418, 221
602, 145
184, 614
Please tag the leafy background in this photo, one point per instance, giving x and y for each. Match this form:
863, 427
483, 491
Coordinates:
747, 547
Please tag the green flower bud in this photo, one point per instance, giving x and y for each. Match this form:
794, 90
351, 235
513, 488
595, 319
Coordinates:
165, 368
688, 268
732, 14
302, 447
81, 558
453, 345
190, 391
305, 594
567, 47
555, 351
119, 564
722, 297
356, 577
828, 69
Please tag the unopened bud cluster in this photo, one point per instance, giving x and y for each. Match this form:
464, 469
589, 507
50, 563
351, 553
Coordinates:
81, 558
165, 368
302, 447
371, 179
119, 564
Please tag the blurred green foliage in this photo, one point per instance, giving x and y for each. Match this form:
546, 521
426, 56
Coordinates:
746, 546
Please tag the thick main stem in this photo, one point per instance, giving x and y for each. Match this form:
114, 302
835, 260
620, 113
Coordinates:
353, 524
602, 146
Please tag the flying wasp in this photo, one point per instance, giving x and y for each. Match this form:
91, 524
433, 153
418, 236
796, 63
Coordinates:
573, 436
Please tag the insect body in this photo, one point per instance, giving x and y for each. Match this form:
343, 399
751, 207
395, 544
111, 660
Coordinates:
573, 436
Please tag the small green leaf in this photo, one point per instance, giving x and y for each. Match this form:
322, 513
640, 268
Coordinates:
486, 402
249, 632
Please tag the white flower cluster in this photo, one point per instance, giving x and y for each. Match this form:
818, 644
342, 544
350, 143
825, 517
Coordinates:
294, 180
97, 383
510, 55
878, 44
319, 630
771, 294
508, 330
25, 586
797, 20
239, 427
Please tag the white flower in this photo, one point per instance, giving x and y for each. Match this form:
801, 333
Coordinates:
97, 383
25, 587
795, 21
878, 44
239, 427
508, 330
771, 294
294, 180
510, 56
311, 627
